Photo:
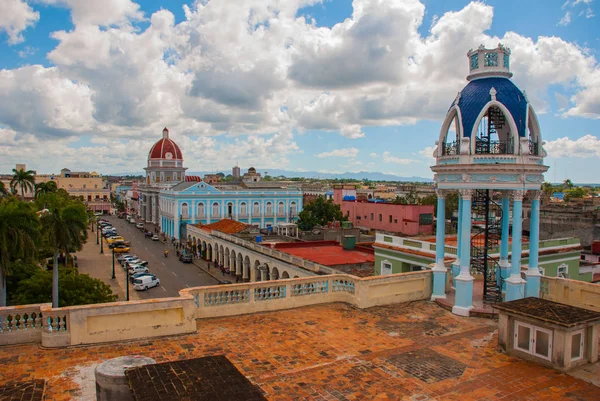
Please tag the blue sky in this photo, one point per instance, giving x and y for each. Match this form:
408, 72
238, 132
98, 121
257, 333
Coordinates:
329, 86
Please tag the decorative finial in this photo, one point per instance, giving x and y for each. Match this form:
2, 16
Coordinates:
493, 93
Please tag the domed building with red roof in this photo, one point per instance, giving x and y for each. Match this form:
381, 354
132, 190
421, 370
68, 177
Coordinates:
165, 170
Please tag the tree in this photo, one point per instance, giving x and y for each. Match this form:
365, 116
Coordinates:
23, 179
19, 234
3, 191
319, 212
575, 193
75, 289
568, 184
66, 227
45, 188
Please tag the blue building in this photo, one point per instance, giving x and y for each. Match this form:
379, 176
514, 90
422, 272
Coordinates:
262, 205
171, 199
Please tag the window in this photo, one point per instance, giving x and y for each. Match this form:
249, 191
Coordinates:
243, 209
533, 340
256, 209
200, 209
563, 271
281, 209
475, 61
506, 60
269, 208
491, 59
215, 209
577, 339
380, 217
174, 176
386, 268
83, 186
293, 208
372, 216
391, 218
229, 209
184, 210
425, 219
395, 220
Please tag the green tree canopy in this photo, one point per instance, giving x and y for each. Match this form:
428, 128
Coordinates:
75, 289
19, 236
319, 212
24, 180
45, 188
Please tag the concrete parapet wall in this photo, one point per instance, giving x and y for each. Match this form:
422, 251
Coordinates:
571, 292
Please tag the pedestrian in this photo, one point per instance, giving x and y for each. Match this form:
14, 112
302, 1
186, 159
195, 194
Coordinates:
223, 272
208, 266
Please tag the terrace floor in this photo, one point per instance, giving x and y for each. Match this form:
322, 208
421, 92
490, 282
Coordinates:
412, 351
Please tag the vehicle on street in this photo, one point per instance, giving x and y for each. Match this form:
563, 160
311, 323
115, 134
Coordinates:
114, 238
143, 283
137, 275
186, 258
131, 262
119, 242
139, 225
123, 256
126, 259
121, 248
155, 237
132, 220
137, 269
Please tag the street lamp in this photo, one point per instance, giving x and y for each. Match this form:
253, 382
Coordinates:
113, 257
97, 234
127, 283
101, 246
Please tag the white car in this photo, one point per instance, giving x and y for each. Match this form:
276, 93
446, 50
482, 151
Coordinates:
133, 269
145, 282
127, 259
132, 221
155, 237
139, 225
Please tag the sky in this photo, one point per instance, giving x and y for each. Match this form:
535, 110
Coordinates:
303, 85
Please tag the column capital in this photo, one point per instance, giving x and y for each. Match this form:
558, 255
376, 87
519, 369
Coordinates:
518, 195
442, 193
535, 195
465, 193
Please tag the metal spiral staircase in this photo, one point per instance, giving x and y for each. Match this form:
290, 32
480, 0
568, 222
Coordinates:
487, 228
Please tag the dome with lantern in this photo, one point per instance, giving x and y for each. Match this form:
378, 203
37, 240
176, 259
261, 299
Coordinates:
165, 149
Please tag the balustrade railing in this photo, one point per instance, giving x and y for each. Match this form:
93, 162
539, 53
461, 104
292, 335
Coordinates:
55, 322
231, 297
310, 288
533, 148
268, 293
493, 147
451, 148
341, 285
21, 319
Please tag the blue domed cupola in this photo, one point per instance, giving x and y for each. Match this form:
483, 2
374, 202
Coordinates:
490, 151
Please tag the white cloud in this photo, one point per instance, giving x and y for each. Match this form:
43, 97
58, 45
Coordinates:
586, 146
15, 17
565, 20
345, 152
427, 154
104, 13
373, 154
582, 1
352, 131
27, 51
388, 158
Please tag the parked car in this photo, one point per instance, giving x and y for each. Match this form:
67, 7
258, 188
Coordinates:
114, 238
121, 248
131, 262
137, 269
142, 274
155, 237
123, 256
139, 225
132, 220
126, 259
143, 283
187, 258
119, 242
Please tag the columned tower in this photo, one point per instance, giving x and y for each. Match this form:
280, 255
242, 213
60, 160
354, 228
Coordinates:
490, 151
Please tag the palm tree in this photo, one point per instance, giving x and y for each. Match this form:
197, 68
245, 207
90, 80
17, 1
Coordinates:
45, 188
19, 235
23, 179
568, 183
66, 226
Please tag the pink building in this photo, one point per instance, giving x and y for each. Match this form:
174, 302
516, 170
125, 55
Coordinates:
401, 219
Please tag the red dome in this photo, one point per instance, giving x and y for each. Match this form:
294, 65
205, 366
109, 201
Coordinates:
165, 148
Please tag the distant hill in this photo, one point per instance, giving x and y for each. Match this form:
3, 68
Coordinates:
373, 176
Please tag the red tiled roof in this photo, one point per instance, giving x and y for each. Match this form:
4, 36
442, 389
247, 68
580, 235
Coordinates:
193, 178
326, 254
226, 226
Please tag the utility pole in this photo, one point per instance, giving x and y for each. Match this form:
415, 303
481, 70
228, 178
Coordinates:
113, 258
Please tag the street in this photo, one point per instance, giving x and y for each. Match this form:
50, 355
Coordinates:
173, 274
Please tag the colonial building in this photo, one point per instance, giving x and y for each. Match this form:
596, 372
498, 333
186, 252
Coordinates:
172, 199
165, 169
199, 202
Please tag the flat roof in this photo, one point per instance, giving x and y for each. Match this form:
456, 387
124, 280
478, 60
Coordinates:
327, 253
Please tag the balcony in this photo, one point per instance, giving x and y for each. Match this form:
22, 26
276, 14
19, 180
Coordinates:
451, 149
485, 147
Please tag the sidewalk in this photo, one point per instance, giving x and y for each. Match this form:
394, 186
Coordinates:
90, 261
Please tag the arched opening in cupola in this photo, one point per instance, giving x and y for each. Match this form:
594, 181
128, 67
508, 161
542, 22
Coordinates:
451, 127
493, 133
533, 133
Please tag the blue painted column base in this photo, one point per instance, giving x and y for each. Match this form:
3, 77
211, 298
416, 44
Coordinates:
504, 273
515, 288
439, 282
455, 271
463, 302
532, 285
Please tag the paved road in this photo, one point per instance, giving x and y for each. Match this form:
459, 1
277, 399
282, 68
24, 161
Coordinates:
173, 274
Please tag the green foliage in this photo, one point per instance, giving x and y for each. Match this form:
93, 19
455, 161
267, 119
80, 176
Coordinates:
75, 289
567, 184
574, 193
24, 180
45, 188
319, 212
3, 191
